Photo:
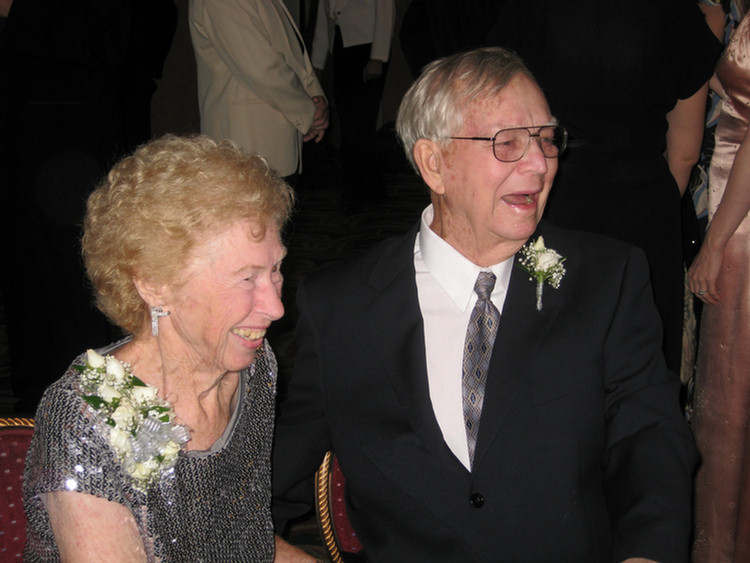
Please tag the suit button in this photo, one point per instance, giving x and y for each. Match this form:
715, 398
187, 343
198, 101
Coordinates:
476, 500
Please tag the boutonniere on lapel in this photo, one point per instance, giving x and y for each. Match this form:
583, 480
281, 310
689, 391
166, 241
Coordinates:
543, 265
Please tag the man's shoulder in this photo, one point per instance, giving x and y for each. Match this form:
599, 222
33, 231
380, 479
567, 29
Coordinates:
382, 259
588, 247
596, 261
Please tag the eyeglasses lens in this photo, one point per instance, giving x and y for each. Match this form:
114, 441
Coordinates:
511, 144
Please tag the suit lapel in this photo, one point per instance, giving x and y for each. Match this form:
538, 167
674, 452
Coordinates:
295, 49
519, 333
397, 327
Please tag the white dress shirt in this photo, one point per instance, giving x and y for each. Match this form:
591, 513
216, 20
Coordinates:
445, 287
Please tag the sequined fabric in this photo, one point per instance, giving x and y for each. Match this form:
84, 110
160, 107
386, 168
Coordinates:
214, 506
722, 396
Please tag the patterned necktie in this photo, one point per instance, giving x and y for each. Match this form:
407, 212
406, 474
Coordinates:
480, 337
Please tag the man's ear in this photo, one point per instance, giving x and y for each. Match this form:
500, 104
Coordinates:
429, 159
153, 294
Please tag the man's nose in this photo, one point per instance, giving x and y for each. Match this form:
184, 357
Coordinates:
534, 155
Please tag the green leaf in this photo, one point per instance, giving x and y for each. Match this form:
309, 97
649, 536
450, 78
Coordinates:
94, 401
137, 382
79, 369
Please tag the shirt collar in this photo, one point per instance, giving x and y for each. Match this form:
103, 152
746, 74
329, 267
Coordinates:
455, 273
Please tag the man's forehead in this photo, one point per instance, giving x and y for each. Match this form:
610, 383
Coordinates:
520, 88
509, 107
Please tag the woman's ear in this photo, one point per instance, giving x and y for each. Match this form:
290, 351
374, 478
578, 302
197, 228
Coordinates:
429, 159
153, 294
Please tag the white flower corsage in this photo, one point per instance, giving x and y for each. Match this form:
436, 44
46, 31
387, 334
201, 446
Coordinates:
543, 265
136, 421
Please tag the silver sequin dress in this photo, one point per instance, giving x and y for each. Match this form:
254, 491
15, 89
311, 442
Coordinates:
215, 507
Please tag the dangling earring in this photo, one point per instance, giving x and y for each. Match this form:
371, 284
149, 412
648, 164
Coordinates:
157, 312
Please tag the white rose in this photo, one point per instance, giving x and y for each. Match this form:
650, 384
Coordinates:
144, 394
120, 440
547, 260
170, 450
538, 244
94, 359
107, 392
115, 369
141, 472
124, 415
151, 464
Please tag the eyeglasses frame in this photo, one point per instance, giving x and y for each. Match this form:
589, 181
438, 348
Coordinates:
531, 135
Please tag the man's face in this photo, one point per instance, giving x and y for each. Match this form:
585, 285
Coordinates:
488, 205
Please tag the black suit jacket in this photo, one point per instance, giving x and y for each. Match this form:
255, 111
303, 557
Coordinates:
582, 453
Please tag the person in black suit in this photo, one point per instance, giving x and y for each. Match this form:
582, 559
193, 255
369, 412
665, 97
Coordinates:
581, 453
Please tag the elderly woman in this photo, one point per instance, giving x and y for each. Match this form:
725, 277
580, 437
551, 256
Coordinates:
157, 448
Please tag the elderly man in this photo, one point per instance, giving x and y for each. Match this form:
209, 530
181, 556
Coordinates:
493, 387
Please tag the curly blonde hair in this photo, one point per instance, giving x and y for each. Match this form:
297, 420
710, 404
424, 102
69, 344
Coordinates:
154, 207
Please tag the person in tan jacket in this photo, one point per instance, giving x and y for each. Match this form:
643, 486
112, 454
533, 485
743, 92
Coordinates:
256, 85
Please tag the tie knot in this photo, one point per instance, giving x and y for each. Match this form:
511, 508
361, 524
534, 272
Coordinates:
485, 284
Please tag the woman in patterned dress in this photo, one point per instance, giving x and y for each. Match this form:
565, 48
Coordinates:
182, 245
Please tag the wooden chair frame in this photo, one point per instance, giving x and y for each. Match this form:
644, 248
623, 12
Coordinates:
16, 422
323, 507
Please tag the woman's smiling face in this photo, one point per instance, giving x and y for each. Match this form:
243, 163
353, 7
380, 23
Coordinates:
230, 295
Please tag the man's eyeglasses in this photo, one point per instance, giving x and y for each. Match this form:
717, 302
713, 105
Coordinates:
510, 145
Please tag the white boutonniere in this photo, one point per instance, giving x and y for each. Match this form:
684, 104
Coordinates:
543, 265
137, 423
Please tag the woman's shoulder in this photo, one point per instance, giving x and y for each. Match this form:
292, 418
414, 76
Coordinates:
264, 368
62, 393
69, 384
258, 384
69, 448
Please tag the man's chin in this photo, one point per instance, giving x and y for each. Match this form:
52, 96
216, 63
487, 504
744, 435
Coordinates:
523, 232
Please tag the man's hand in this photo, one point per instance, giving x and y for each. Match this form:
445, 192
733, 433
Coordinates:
639, 560
373, 69
287, 553
320, 120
